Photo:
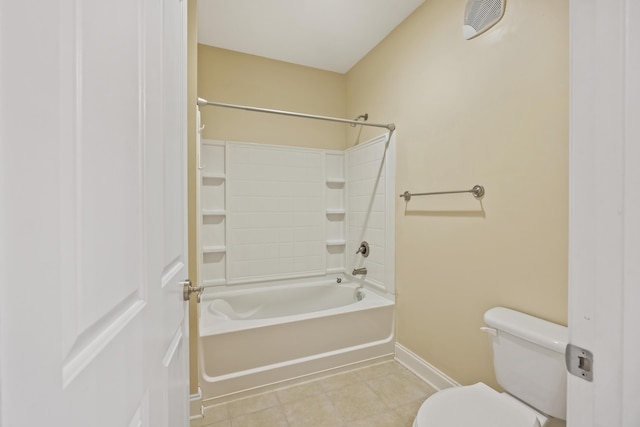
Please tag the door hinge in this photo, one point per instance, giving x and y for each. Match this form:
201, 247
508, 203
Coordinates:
579, 362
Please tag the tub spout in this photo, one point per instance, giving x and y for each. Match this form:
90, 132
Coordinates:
357, 271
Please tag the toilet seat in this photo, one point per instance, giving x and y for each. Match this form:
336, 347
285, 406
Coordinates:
476, 405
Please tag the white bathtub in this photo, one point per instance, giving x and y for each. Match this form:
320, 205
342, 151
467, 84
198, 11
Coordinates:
255, 337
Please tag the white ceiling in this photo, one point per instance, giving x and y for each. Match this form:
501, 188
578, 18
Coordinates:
327, 34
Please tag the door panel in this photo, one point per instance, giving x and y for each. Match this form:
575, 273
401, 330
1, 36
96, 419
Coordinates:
93, 115
174, 115
103, 211
174, 363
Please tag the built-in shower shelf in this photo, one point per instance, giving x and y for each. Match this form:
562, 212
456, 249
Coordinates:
213, 212
213, 175
335, 211
336, 270
336, 242
335, 181
213, 249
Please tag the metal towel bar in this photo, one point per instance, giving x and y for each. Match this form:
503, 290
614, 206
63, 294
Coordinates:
477, 191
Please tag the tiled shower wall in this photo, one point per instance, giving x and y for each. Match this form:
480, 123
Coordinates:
370, 187
272, 212
275, 213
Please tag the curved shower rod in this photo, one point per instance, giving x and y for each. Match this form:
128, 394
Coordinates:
202, 102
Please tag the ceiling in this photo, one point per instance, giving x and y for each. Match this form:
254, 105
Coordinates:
327, 34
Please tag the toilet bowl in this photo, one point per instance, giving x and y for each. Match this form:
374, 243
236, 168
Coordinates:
528, 359
476, 405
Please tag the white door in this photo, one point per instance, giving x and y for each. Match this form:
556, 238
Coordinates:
93, 180
604, 289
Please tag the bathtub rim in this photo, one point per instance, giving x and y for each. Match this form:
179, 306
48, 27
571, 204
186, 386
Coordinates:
335, 279
373, 298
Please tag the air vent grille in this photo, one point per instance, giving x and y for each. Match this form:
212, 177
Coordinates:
480, 15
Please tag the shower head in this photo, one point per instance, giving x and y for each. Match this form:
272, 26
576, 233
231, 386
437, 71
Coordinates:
364, 116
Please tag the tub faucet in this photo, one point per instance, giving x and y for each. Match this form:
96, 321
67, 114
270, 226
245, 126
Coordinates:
357, 271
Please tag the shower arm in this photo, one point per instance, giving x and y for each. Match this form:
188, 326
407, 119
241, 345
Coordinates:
202, 102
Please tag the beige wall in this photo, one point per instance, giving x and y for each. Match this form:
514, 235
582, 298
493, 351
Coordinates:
237, 78
490, 111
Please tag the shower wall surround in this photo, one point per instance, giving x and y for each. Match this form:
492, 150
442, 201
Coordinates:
272, 212
370, 205
275, 221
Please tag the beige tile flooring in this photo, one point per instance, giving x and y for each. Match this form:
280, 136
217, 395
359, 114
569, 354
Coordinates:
380, 395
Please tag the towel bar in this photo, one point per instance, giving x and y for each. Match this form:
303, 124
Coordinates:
477, 191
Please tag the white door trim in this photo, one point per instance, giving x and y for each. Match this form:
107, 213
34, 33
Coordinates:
605, 210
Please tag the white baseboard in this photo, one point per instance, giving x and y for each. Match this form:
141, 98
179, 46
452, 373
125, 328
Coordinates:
195, 406
427, 372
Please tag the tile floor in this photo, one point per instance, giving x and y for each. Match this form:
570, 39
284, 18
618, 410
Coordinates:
381, 395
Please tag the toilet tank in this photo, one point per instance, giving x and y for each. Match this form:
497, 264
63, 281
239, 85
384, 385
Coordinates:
528, 357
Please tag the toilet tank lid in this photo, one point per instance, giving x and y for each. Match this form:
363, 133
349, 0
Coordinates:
544, 333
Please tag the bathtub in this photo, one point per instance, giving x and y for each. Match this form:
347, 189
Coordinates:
256, 337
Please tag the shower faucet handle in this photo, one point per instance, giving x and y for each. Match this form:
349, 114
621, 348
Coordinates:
363, 249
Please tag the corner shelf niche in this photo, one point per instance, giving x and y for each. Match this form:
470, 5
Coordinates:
335, 212
213, 214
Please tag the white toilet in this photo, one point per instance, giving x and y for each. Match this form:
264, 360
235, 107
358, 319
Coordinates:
528, 357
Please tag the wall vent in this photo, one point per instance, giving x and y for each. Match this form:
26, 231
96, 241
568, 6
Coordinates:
480, 15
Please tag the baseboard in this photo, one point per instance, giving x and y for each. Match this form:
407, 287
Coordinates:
427, 372
195, 406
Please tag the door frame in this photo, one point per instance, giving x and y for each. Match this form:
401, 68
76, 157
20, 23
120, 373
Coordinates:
604, 224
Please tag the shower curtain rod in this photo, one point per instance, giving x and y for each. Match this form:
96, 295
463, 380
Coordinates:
201, 102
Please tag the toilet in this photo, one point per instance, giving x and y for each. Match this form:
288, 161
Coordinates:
528, 357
